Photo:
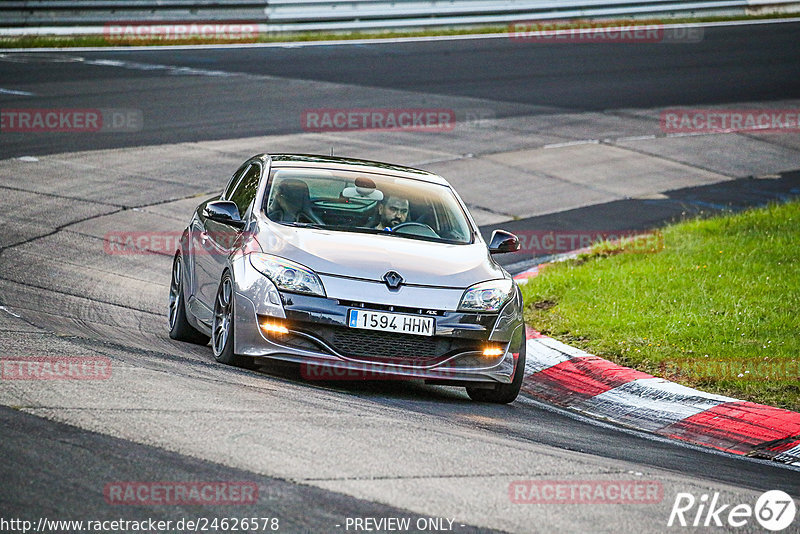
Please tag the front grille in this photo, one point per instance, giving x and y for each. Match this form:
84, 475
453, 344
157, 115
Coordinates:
390, 347
385, 345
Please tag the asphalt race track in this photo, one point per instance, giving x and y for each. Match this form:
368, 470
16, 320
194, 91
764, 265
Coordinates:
262, 91
567, 137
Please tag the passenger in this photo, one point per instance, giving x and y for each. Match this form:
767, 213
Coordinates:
392, 210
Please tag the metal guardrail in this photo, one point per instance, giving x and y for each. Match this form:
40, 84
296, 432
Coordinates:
100, 12
89, 16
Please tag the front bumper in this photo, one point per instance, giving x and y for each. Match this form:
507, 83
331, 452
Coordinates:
318, 338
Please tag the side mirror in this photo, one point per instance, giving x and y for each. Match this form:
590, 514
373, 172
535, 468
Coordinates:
225, 212
503, 241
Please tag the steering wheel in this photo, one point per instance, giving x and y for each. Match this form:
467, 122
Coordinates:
426, 230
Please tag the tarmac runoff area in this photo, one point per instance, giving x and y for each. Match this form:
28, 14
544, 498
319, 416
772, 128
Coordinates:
57, 278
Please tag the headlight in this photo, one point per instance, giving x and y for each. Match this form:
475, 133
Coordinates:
486, 296
287, 275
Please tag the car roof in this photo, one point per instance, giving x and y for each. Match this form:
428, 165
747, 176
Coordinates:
351, 164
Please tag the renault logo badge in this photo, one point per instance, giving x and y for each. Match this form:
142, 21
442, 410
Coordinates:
393, 280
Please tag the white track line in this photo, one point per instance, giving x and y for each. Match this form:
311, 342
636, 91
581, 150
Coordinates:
15, 92
10, 312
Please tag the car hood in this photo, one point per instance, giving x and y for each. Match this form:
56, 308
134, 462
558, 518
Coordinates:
370, 256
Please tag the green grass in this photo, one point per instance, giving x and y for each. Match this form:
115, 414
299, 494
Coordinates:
700, 303
56, 41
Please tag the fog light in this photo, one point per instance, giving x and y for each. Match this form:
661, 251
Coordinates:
274, 328
492, 352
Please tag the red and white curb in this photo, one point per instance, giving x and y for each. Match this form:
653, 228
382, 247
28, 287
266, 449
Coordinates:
576, 380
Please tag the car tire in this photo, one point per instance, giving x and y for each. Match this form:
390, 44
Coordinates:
222, 330
179, 327
502, 393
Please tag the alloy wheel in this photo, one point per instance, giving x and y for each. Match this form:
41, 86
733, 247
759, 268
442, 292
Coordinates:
223, 314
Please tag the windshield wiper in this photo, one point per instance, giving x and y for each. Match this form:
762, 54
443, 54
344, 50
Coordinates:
372, 231
334, 227
305, 225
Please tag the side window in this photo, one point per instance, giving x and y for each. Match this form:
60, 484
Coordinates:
246, 190
226, 195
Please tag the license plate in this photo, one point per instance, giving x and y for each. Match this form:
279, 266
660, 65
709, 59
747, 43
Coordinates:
391, 322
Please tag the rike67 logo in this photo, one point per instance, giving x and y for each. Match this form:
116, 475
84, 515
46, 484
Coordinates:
774, 510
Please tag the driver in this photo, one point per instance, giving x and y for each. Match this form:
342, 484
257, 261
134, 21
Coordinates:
392, 210
289, 200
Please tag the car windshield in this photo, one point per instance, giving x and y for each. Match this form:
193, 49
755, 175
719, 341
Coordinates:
366, 203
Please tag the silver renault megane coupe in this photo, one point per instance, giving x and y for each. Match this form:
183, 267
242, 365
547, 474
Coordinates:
337, 263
